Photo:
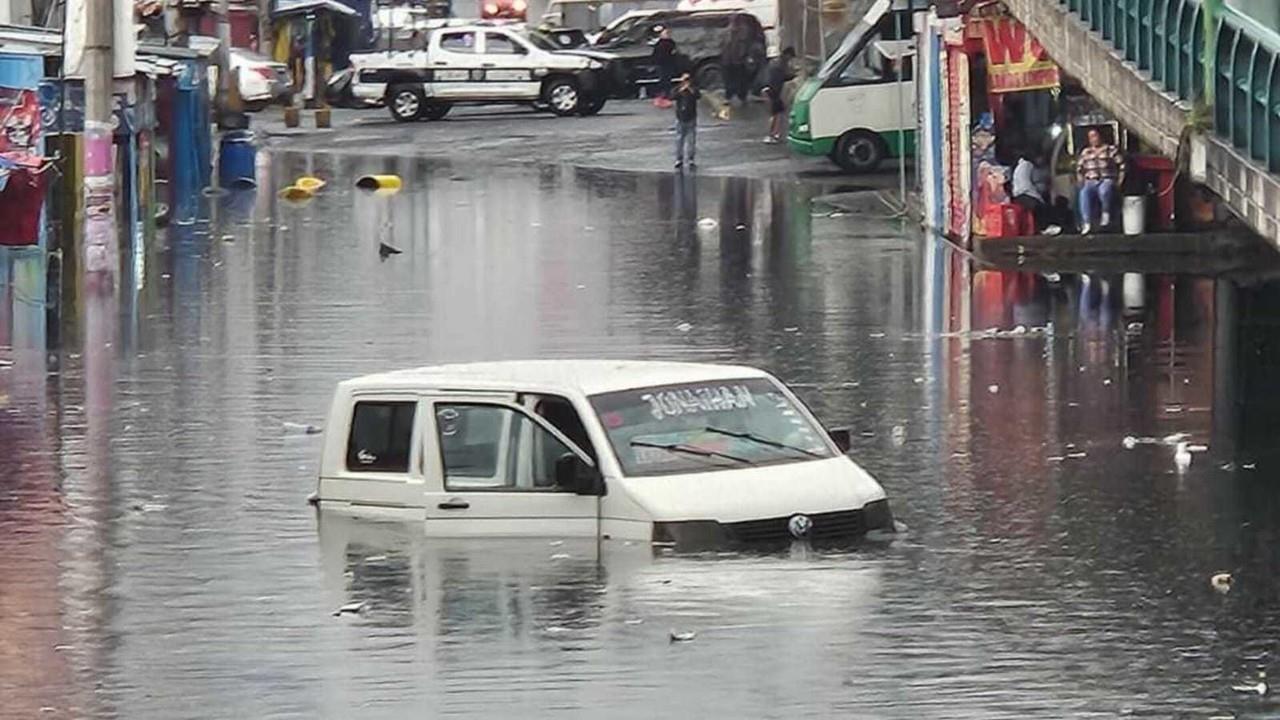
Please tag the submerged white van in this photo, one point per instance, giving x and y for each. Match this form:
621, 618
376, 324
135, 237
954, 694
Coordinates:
652, 451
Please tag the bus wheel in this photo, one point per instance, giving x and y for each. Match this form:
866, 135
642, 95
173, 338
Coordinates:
859, 151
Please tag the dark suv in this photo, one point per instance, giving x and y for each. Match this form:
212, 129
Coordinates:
699, 36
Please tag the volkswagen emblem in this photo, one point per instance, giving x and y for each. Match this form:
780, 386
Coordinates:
799, 525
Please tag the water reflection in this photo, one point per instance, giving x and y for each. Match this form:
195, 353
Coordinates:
161, 559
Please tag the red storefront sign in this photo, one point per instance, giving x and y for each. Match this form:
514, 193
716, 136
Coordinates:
1016, 60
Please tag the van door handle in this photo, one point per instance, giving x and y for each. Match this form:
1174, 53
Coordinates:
454, 504
486, 65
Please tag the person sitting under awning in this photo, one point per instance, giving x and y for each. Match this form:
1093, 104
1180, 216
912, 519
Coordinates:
1099, 168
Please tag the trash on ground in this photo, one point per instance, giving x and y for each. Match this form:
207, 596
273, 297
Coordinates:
385, 250
993, 389
707, 223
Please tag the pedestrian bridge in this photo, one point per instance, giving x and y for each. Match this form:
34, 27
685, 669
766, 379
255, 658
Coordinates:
1189, 74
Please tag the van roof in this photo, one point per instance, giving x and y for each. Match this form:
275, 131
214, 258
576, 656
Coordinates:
589, 377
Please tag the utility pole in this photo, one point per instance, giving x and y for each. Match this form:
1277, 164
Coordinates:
97, 63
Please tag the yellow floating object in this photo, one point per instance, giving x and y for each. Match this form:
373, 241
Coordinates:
309, 183
293, 193
379, 182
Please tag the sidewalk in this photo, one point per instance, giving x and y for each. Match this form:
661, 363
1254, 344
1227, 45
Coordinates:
627, 135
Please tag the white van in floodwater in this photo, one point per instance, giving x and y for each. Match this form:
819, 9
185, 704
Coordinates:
653, 451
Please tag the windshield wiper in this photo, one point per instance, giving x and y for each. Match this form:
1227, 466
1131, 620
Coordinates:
691, 450
764, 441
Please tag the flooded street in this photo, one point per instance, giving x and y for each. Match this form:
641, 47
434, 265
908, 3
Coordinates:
160, 560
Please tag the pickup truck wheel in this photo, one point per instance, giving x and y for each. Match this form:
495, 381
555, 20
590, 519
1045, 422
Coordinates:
562, 96
406, 102
591, 106
435, 111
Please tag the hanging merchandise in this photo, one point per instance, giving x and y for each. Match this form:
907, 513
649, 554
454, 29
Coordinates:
21, 167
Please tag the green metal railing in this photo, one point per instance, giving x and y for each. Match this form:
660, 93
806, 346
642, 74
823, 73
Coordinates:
1204, 53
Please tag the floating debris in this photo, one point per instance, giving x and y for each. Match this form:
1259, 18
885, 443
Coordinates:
707, 223
679, 636
1250, 466
351, 608
1182, 457
1129, 442
561, 556
385, 250
294, 428
379, 182
684, 327
1221, 582
898, 435
1258, 688
919, 381
633, 621
309, 183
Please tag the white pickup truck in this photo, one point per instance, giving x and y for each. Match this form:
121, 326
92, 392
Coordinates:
482, 64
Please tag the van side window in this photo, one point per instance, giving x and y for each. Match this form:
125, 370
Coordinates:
381, 436
493, 447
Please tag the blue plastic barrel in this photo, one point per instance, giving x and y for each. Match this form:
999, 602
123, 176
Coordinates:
238, 160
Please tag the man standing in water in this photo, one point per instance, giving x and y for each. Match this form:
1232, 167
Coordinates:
664, 57
686, 101
776, 77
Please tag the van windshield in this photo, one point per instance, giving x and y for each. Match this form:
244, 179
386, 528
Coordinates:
853, 42
698, 427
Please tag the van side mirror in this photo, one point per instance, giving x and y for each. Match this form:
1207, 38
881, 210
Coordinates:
842, 438
572, 473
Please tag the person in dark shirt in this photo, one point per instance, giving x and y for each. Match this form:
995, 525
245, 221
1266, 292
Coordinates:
776, 77
686, 101
664, 57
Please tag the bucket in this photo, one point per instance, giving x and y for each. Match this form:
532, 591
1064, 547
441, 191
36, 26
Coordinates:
237, 166
1134, 213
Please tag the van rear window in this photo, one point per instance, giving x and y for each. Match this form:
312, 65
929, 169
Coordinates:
381, 436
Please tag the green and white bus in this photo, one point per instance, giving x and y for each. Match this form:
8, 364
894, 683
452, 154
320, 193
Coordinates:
853, 110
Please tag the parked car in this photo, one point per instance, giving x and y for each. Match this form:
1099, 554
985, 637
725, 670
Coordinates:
262, 81
699, 36
655, 452
482, 64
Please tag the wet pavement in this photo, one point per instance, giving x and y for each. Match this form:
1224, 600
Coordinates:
627, 135
160, 561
